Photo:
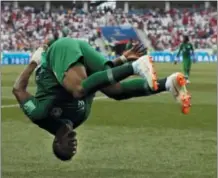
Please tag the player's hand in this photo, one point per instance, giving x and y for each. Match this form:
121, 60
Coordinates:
45, 47
36, 57
135, 52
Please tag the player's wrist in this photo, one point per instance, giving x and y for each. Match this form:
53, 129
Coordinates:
33, 64
123, 58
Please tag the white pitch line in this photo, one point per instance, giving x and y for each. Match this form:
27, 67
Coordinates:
17, 105
96, 98
10, 106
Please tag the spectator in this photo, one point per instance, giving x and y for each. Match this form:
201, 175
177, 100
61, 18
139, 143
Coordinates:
27, 28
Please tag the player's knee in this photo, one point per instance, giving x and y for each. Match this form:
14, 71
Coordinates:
76, 90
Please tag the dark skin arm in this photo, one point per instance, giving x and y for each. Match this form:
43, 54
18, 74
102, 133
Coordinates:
20, 85
131, 55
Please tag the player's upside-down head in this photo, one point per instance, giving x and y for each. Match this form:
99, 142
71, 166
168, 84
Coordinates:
65, 143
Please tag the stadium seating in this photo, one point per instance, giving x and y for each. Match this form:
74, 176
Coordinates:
26, 28
165, 30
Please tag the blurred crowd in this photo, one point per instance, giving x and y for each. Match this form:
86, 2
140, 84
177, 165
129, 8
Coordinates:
166, 29
26, 28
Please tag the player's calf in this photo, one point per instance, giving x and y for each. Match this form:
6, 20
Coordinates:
77, 82
65, 143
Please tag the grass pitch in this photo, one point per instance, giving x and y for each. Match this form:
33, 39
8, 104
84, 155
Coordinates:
145, 137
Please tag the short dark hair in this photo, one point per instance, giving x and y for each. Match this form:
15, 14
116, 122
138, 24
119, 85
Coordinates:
186, 39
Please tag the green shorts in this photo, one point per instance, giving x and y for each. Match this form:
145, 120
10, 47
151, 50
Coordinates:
37, 109
51, 114
187, 62
66, 52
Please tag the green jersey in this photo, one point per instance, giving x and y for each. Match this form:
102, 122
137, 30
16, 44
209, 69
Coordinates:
51, 100
186, 49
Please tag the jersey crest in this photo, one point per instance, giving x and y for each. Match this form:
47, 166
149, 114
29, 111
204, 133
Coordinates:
56, 112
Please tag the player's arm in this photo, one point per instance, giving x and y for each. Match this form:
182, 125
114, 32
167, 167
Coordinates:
192, 50
193, 53
130, 55
20, 86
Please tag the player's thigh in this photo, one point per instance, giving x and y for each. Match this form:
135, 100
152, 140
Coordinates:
93, 60
63, 55
73, 78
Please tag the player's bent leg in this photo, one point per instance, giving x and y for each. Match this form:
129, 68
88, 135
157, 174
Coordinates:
76, 80
176, 84
136, 87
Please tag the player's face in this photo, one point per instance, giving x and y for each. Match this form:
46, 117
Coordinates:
65, 143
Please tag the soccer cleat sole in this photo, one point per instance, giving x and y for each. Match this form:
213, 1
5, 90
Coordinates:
184, 96
152, 77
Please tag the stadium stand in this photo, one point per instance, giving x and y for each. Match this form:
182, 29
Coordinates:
25, 28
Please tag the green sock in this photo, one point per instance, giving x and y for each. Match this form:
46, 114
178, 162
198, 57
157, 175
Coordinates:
138, 87
188, 73
105, 78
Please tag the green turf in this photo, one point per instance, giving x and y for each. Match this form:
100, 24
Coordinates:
140, 138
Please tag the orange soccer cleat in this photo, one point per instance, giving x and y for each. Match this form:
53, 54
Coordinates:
177, 86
